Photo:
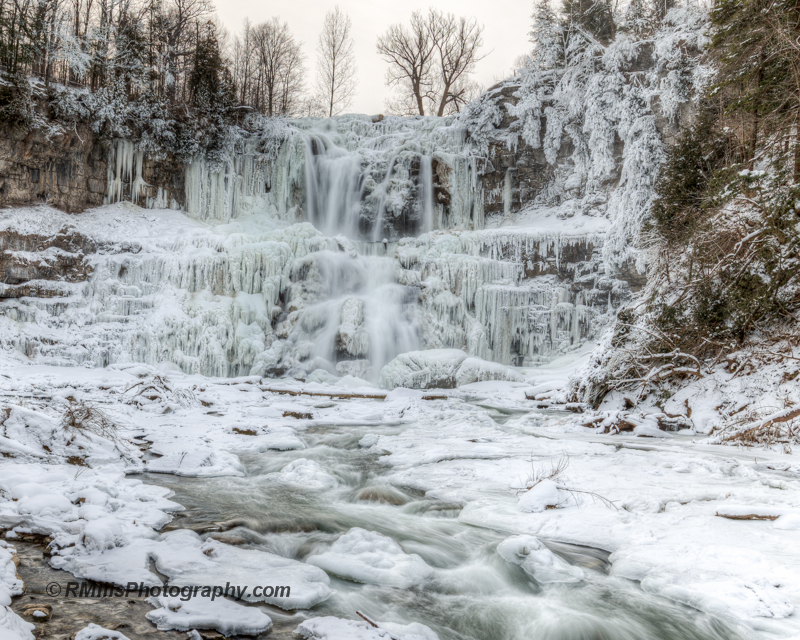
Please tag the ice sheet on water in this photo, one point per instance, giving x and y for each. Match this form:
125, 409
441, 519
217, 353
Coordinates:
199, 462
96, 632
187, 560
367, 556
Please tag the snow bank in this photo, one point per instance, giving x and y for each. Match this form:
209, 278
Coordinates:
366, 556
11, 625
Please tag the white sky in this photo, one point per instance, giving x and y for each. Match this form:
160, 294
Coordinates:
507, 23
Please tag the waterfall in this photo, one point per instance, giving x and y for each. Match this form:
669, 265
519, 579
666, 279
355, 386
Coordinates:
368, 180
332, 249
426, 178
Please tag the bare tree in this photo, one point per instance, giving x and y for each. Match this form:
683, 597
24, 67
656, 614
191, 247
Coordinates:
430, 62
279, 71
410, 54
456, 41
336, 64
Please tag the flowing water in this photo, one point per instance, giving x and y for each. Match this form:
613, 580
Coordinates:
473, 595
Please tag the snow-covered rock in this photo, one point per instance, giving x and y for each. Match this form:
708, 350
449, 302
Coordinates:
306, 474
542, 495
432, 369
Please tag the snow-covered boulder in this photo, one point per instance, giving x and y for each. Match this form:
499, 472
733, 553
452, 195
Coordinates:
542, 495
431, 369
442, 369
305, 474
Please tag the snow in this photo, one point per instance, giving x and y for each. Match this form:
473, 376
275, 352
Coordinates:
199, 462
332, 628
660, 520
14, 627
186, 315
431, 369
307, 475
229, 618
541, 496
96, 632
366, 556
188, 561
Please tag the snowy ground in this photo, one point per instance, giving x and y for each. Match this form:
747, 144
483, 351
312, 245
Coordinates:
651, 502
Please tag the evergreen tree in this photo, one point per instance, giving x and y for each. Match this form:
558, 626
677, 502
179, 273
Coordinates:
547, 36
639, 19
210, 86
593, 16
756, 45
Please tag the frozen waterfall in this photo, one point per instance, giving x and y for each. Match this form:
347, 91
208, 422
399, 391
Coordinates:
323, 247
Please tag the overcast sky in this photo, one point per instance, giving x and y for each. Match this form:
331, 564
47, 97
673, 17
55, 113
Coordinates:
506, 22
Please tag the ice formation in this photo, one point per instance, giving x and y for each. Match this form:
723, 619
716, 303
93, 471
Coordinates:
537, 560
263, 297
366, 556
229, 618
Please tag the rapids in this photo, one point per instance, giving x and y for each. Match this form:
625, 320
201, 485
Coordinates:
472, 594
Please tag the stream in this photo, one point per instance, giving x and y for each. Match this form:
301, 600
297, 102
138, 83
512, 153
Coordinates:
474, 594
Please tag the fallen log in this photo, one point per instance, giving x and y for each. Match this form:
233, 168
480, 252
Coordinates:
341, 396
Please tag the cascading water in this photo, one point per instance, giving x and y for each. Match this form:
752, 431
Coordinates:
358, 318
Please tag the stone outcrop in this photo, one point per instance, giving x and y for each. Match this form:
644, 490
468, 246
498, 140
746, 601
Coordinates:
69, 169
34, 265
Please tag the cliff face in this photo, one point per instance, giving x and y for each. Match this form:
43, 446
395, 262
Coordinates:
69, 169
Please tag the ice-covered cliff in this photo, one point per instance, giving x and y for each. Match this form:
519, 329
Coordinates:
509, 231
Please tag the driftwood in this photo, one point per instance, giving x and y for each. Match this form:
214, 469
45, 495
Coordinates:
340, 396
749, 516
752, 431
375, 624
297, 414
